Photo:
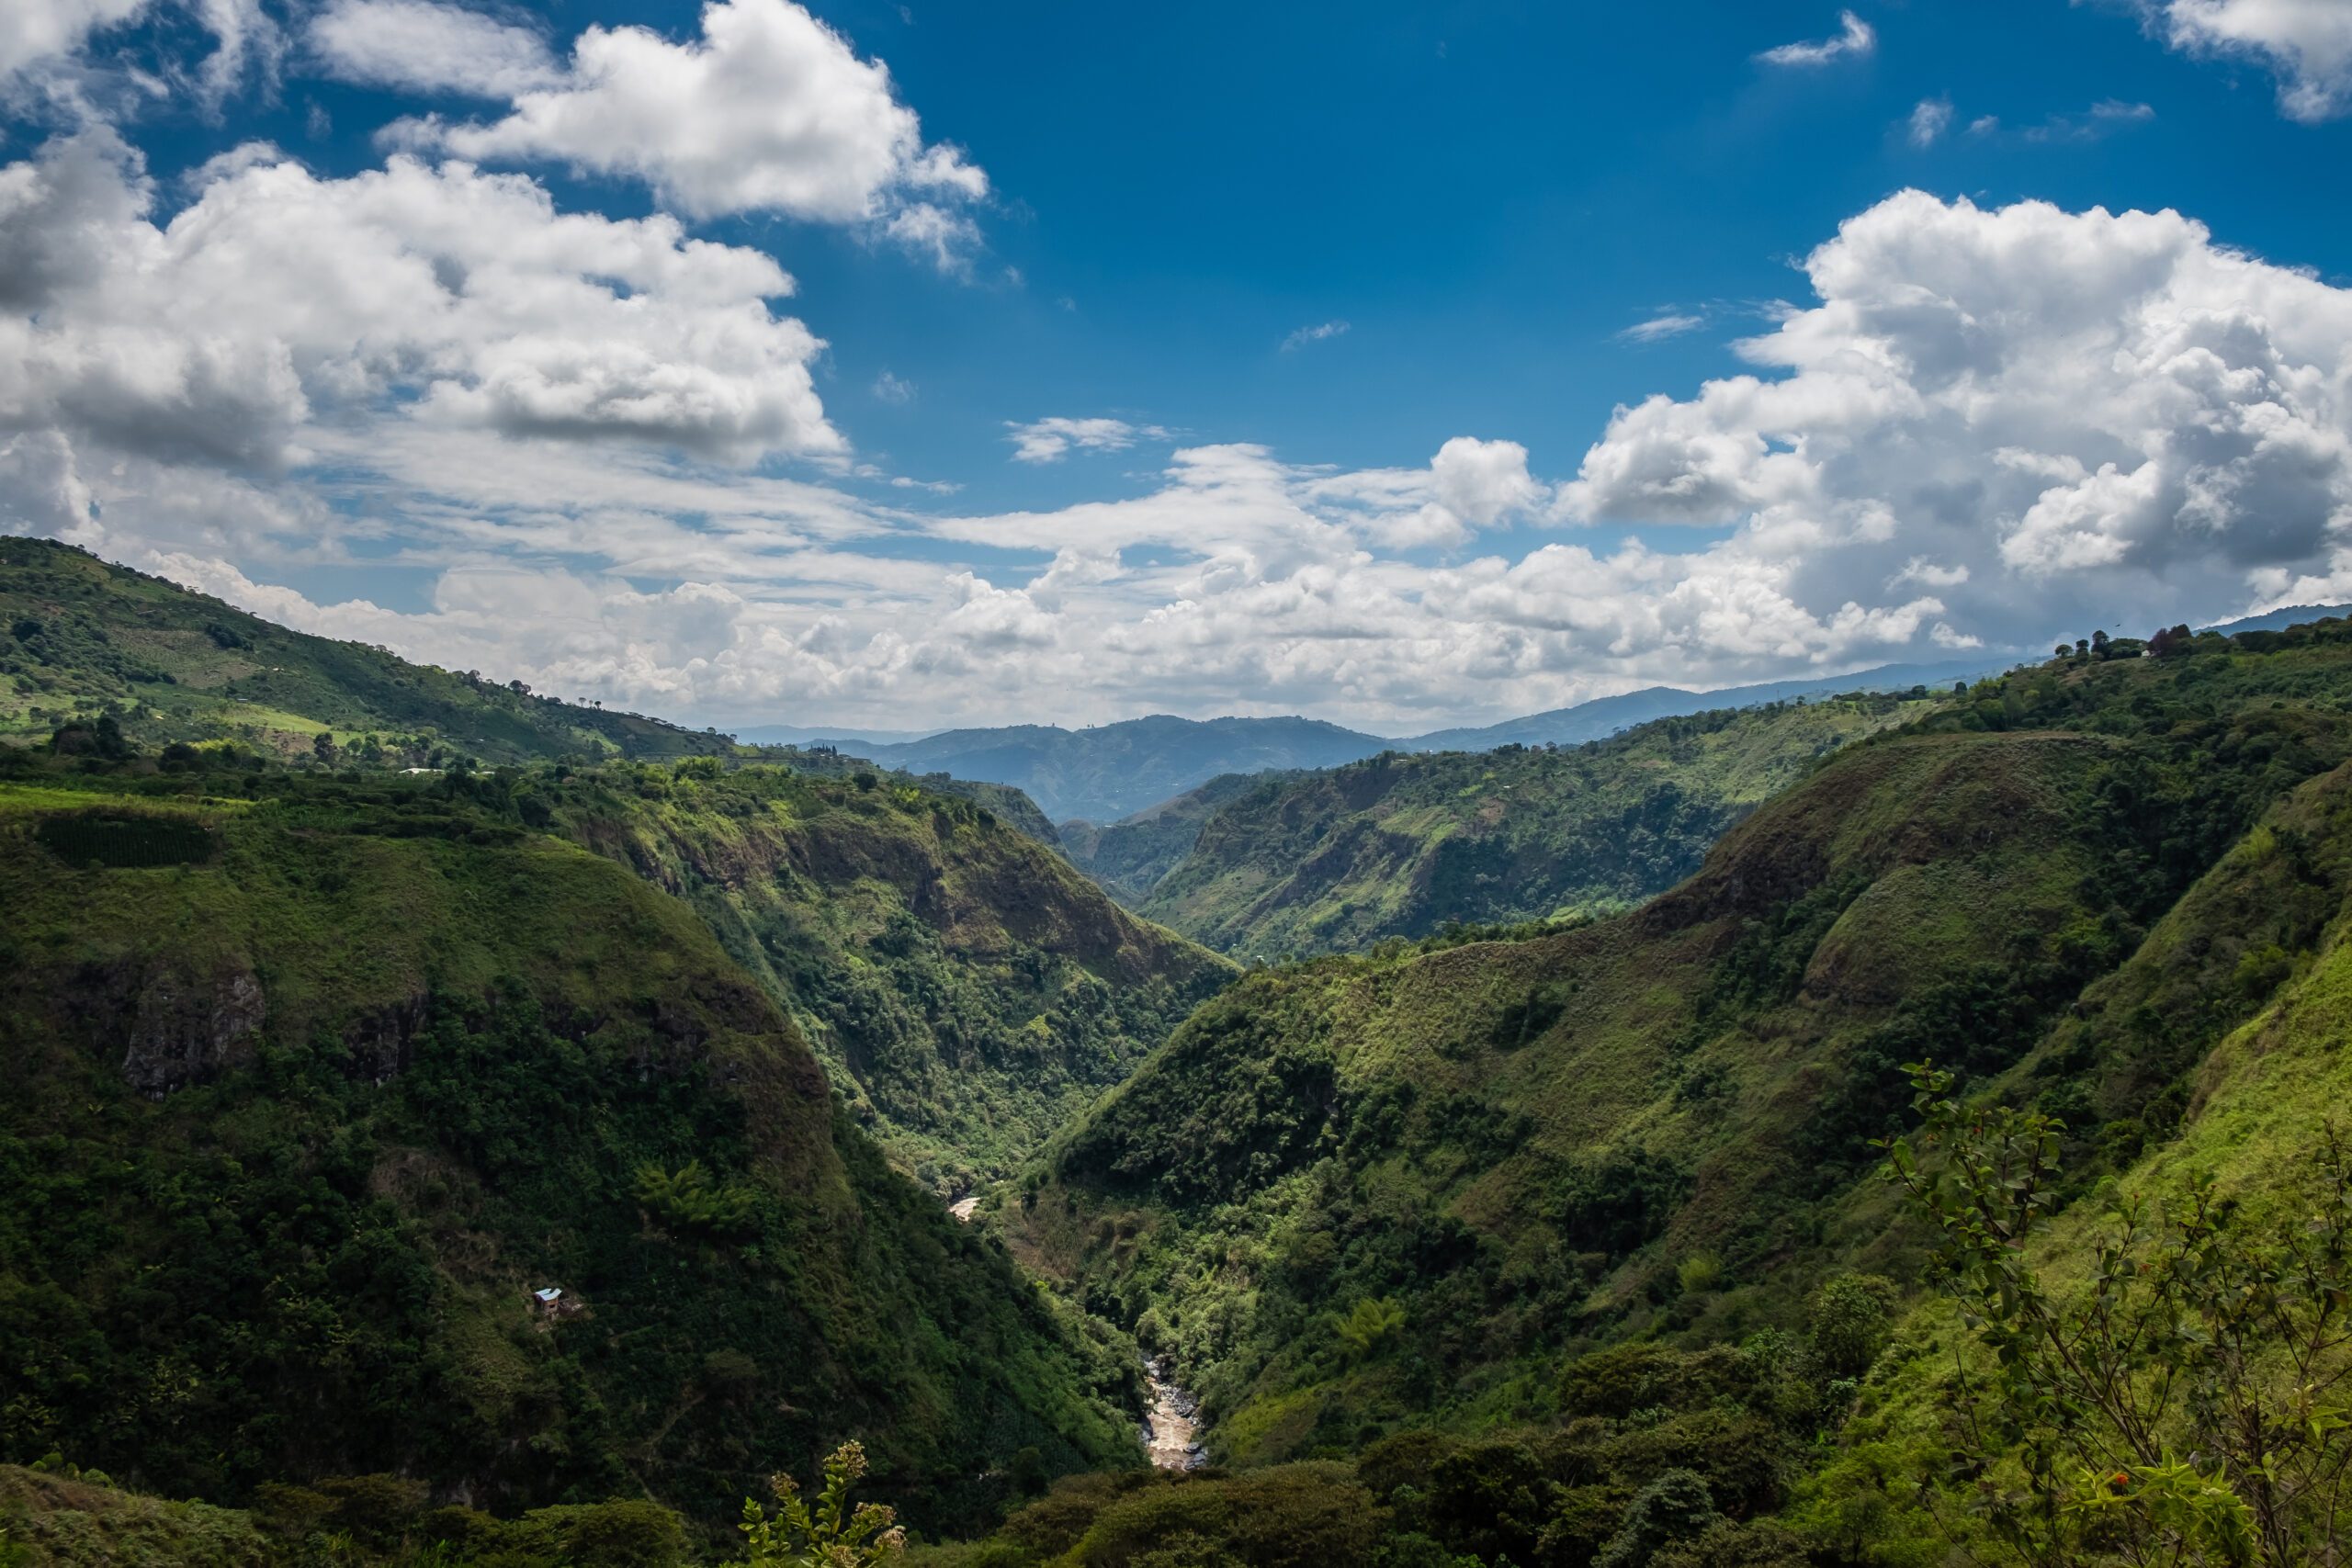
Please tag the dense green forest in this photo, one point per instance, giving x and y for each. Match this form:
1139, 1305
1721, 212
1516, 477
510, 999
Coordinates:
81, 641
1545, 1228
316, 1080
323, 1068
968, 991
1402, 846
1513, 1248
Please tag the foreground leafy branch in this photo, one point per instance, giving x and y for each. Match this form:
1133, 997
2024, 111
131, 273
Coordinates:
2183, 1405
828, 1536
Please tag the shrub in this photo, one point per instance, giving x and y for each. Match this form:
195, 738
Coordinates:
1405, 1460
1373, 1322
377, 1509
826, 1536
1491, 1498
1293, 1516
1676, 1506
1618, 1382
1850, 1313
2197, 1333
1726, 1545
1054, 1523
688, 1200
1698, 1272
620, 1534
1582, 1521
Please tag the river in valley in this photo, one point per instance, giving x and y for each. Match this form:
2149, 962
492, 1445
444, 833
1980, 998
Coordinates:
1169, 1432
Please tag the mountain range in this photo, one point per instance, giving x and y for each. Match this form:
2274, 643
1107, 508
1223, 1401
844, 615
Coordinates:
450, 1127
1405, 846
1105, 772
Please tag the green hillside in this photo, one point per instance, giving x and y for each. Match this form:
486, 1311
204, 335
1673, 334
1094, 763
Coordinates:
969, 991
1546, 1226
85, 639
81, 641
1130, 856
1404, 845
314, 1081
965, 989
1556, 1219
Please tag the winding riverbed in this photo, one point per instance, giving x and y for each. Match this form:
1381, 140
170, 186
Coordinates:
1169, 1432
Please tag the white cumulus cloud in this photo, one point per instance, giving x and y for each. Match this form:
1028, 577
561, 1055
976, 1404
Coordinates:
424, 46
769, 110
1984, 429
278, 306
2307, 44
36, 31
2047, 404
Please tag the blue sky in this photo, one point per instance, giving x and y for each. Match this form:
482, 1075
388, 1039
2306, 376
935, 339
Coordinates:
1305, 248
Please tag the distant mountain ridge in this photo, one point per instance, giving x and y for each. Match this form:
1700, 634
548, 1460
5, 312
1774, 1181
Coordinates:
1111, 771
1114, 770
1605, 716
819, 735
2279, 620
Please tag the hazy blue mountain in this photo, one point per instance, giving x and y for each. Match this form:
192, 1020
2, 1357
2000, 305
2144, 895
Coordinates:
1113, 769
806, 735
2279, 620
1605, 716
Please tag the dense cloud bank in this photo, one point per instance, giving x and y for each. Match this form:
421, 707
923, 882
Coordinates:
602, 440
1991, 426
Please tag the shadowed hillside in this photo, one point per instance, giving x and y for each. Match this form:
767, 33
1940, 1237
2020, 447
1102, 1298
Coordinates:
1130, 856
314, 1082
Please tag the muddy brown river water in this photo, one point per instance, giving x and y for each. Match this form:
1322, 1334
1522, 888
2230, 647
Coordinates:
1171, 1432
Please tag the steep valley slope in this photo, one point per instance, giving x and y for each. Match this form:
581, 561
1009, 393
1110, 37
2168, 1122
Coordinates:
313, 1082
1131, 856
968, 989
1402, 846
324, 1067
1657, 1127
